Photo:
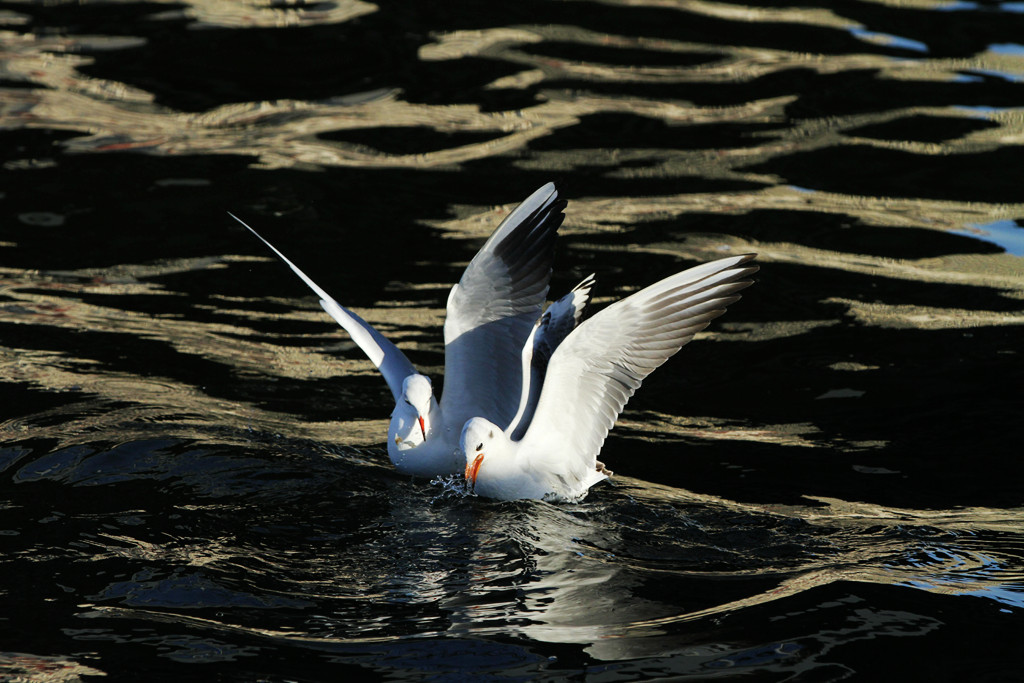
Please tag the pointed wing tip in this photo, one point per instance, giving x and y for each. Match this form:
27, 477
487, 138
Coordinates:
585, 285
729, 269
544, 195
246, 226
740, 259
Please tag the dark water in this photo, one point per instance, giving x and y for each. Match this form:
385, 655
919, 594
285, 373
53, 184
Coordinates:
827, 486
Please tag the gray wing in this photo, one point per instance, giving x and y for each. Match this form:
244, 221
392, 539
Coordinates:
560, 319
492, 309
391, 362
595, 371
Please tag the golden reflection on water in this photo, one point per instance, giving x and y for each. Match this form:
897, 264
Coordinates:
585, 599
283, 134
867, 543
113, 116
572, 588
133, 404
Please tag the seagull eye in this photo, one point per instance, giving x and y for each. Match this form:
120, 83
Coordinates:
480, 446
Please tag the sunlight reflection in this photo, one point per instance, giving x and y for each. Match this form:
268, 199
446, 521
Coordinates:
232, 431
1015, 49
1008, 234
889, 40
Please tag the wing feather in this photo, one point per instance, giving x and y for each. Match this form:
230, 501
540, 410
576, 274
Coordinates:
493, 308
558, 321
599, 366
391, 362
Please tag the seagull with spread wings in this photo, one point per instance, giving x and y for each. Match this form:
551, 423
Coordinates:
550, 451
491, 313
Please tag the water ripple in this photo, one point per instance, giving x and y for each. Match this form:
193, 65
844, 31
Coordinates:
190, 458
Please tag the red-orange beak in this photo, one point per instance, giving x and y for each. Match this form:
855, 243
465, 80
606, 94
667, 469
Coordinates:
473, 468
423, 428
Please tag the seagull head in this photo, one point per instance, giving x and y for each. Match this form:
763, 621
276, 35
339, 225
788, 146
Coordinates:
411, 420
477, 435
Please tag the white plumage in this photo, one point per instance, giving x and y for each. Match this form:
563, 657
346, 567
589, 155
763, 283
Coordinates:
491, 313
590, 376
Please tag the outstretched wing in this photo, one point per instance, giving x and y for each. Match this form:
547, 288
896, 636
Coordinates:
558, 321
602, 362
391, 362
492, 309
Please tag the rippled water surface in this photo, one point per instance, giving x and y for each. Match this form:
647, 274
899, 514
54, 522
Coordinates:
826, 485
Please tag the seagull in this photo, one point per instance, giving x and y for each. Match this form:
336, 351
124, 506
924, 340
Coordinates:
491, 314
589, 377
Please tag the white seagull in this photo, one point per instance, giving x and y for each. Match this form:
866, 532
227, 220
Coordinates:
491, 313
589, 378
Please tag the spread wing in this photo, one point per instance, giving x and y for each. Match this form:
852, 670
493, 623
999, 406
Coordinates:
492, 310
560, 319
391, 362
602, 362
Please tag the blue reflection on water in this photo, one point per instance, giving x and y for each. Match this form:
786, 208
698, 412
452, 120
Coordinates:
974, 6
1015, 49
1005, 75
889, 40
984, 111
1007, 234
1008, 595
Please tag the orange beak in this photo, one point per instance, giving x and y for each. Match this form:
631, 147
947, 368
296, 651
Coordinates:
423, 428
473, 468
